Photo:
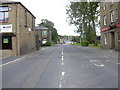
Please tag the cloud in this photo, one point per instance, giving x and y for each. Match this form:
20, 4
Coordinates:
53, 10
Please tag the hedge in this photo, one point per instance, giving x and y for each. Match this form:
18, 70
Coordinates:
48, 43
85, 43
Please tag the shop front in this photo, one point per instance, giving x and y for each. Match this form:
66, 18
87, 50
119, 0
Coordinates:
110, 36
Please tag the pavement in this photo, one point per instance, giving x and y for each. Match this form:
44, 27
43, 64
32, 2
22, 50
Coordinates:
62, 66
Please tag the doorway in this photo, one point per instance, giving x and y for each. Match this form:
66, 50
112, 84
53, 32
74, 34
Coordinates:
112, 40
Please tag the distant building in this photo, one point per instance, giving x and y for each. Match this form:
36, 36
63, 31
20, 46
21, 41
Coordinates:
17, 29
110, 24
44, 34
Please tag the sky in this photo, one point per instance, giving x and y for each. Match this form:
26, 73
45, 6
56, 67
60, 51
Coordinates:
53, 10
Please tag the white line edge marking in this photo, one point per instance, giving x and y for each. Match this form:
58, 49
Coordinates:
12, 61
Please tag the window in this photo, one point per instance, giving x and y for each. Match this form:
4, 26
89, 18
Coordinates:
104, 20
32, 24
44, 41
44, 33
6, 42
26, 18
112, 16
105, 37
112, 2
104, 5
4, 14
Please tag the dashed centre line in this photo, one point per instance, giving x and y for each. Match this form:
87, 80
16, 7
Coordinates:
63, 73
60, 85
62, 58
62, 63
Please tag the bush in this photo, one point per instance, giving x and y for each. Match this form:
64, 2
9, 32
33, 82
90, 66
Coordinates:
48, 43
84, 43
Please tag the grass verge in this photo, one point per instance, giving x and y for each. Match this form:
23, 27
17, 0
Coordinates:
92, 45
76, 44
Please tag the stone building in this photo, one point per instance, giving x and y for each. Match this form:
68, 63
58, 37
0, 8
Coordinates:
17, 29
44, 34
110, 24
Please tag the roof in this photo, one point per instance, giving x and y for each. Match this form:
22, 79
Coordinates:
6, 2
41, 28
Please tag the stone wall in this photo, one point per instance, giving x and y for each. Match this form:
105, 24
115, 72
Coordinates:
23, 41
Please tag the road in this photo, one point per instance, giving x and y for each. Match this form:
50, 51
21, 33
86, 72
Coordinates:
62, 66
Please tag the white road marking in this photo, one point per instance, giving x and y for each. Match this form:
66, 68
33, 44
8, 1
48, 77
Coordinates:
62, 53
12, 61
107, 60
62, 63
111, 61
102, 65
62, 58
60, 85
3, 58
63, 73
98, 64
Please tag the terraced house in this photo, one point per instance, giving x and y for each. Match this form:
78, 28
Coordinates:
110, 24
17, 29
44, 34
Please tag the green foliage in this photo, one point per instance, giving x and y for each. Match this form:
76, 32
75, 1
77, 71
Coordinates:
92, 45
46, 23
85, 43
54, 35
84, 16
48, 43
76, 39
76, 44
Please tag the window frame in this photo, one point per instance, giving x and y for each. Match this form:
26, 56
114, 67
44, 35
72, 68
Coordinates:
7, 46
112, 2
112, 16
104, 20
104, 5
44, 33
105, 38
5, 14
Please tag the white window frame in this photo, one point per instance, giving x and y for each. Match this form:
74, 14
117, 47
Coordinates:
105, 38
112, 1
44, 33
4, 13
104, 20
104, 4
112, 16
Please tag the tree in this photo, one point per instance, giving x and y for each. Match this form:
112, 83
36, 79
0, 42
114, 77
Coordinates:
84, 15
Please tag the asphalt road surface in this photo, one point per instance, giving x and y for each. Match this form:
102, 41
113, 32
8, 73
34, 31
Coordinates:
62, 66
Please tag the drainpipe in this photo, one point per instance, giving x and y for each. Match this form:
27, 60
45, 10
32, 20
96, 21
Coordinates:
18, 31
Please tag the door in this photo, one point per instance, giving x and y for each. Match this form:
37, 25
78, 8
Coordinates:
112, 40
